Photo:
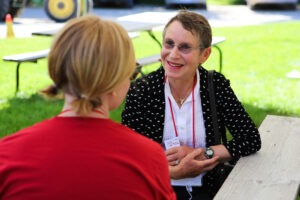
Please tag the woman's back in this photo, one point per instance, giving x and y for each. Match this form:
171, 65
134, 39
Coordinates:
82, 158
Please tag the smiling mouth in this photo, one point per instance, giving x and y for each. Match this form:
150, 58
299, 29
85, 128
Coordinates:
174, 65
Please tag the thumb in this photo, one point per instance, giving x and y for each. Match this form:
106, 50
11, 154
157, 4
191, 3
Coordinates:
195, 153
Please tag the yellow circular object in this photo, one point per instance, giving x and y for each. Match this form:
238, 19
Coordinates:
61, 9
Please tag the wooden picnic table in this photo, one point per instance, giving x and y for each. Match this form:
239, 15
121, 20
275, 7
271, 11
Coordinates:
273, 173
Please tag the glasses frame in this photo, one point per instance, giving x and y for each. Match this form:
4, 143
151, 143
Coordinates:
181, 48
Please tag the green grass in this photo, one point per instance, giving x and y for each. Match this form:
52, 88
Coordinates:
256, 60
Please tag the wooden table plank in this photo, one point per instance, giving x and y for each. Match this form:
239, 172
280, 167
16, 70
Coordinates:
273, 172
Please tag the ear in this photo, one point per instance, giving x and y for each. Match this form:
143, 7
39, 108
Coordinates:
205, 55
113, 93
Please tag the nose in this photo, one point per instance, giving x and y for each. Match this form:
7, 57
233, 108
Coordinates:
174, 52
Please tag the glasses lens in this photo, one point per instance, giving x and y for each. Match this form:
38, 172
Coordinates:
185, 48
168, 44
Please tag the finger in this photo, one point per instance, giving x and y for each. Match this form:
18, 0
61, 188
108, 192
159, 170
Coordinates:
201, 156
196, 153
171, 151
174, 163
209, 164
172, 158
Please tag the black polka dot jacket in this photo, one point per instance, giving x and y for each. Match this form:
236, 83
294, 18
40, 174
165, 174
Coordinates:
145, 108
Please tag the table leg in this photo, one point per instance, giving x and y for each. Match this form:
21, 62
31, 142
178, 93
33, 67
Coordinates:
220, 57
154, 38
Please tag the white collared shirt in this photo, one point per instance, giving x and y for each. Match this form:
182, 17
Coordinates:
184, 124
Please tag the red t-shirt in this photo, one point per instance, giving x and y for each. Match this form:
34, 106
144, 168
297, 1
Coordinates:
69, 158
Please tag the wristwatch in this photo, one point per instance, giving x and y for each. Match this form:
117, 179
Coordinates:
209, 153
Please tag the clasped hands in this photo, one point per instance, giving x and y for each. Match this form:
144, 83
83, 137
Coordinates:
186, 162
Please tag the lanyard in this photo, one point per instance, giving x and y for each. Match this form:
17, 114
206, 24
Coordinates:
193, 115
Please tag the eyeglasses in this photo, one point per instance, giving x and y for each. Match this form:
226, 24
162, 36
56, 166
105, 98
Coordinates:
183, 48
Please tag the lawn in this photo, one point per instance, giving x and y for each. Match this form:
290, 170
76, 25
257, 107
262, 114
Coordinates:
256, 60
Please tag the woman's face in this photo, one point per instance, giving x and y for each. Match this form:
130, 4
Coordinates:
181, 53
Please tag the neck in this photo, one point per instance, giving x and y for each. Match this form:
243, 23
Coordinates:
181, 89
95, 113
67, 111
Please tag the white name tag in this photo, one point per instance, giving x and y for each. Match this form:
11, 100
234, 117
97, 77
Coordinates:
174, 142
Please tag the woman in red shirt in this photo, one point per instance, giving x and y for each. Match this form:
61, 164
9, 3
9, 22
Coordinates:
81, 153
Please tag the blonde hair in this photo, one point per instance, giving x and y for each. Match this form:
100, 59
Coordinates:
89, 57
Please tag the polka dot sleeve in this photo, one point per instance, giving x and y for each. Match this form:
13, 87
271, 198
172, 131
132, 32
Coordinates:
246, 138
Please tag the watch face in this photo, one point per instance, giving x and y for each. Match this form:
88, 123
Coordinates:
209, 152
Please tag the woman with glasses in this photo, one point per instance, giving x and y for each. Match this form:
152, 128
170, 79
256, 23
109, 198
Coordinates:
171, 106
81, 154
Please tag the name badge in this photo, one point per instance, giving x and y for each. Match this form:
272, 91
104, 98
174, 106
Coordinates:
174, 142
